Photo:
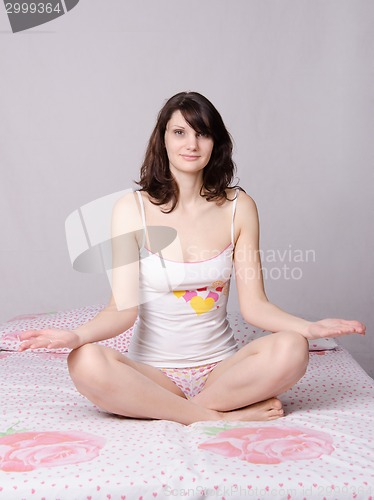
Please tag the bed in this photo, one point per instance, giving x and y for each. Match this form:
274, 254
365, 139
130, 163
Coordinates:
54, 444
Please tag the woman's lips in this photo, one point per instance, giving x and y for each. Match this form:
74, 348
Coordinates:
190, 157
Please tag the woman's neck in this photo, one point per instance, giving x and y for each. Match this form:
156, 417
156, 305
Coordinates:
189, 191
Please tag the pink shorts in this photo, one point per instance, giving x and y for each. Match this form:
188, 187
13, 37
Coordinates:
190, 380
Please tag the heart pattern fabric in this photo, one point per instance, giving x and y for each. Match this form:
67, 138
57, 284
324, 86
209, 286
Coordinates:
203, 300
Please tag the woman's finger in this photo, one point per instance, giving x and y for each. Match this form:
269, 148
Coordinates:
27, 335
355, 325
35, 343
23, 346
31, 334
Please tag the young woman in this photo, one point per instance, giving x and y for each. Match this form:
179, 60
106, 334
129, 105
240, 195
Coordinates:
183, 363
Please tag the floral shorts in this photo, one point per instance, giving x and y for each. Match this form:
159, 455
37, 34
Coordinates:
190, 380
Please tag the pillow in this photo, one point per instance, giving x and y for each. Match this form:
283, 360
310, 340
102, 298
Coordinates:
70, 319
322, 344
11, 330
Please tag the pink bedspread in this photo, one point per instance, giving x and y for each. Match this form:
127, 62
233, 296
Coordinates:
56, 445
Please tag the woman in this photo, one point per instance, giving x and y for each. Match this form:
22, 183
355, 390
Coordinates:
183, 363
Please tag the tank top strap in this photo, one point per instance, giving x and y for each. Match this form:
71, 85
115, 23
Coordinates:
143, 216
233, 216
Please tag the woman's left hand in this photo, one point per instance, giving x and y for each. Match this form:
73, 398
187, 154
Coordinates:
333, 328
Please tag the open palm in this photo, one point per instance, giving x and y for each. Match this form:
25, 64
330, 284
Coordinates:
334, 328
51, 338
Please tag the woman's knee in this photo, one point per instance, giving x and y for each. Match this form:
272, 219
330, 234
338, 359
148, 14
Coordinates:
292, 350
84, 363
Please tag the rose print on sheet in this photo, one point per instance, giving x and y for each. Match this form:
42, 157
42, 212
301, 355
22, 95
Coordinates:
26, 451
270, 445
203, 299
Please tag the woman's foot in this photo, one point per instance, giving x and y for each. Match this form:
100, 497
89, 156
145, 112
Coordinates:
270, 409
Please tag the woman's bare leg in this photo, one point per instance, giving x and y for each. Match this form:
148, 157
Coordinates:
261, 370
121, 386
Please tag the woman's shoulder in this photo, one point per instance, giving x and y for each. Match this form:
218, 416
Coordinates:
129, 201
244, 201
126, 212
246, 215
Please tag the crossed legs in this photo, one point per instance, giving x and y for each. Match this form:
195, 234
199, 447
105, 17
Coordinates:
242, 387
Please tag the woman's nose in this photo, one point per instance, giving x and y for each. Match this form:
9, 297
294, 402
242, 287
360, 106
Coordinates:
192, 142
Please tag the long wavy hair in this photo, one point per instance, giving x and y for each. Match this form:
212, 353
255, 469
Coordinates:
155, 175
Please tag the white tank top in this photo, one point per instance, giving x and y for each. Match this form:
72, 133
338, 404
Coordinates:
182, 316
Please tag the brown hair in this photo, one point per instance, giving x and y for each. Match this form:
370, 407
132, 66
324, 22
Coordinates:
155, 176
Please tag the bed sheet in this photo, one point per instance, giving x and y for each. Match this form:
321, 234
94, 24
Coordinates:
54, 444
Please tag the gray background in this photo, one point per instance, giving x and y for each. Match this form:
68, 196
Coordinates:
293, 82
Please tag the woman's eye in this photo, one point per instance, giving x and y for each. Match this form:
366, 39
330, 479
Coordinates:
178, 132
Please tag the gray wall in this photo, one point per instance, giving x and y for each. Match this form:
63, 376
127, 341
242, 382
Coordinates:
293, 82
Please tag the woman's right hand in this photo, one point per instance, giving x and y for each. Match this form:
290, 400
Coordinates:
51, 338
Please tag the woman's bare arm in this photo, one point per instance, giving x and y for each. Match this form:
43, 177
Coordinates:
254, 305
107, 324
121, 312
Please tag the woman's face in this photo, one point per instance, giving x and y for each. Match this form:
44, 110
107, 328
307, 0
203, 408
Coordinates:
187, 150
